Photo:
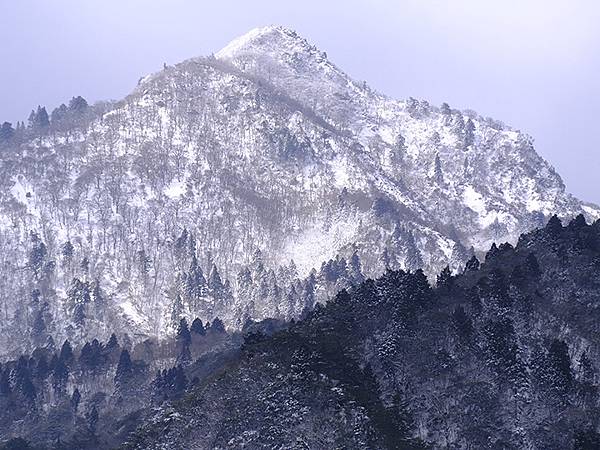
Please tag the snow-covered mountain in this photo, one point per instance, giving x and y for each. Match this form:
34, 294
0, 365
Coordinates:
193, 195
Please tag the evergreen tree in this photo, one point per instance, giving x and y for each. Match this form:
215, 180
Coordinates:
463, 324
184, 357
176, 311
587, 440
444, 279
91, 355
5, 388
59, 115
216, 288
183, 335
112, 343
532, 266
195, 284
469, 139
472, 264
42, 370
78, 105
92, 419
554, 226
217, 326
124, 371
355, 269
66, 353
38, 328
60, 374
560, 373
37, 255
67, 251
75, 399
6, 132
197, 327
445, 109
39, 120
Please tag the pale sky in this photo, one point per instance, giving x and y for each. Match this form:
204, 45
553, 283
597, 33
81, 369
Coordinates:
532, 64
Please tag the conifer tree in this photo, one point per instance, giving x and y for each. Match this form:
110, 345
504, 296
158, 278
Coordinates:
197, 327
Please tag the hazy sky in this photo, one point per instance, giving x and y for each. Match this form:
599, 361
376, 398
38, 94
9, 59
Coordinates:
533, 64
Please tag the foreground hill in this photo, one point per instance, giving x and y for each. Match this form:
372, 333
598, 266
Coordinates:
505, 355
191, 197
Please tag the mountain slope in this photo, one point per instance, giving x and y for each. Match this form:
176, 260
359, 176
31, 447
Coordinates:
505, 355
512, 345
265, 149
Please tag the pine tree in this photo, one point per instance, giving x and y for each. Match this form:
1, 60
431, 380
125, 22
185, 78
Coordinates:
197, 327
532, 266
37, 256
176, 311
195, 284
42, 370
66, 353
112, 342
183, 335
463, 324
554, 226
124, 371
355, 267
5, 388
60, 374
75, 399
185, 357
78, 105
216, 289
444, 279
469, 138
560, 373
217, 326
472, 264
6, 132
92, 419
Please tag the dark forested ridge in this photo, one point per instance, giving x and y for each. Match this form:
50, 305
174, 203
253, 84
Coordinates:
505, 355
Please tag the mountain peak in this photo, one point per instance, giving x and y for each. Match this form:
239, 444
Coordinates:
269, 39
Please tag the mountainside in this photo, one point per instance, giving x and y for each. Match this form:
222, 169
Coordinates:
505, 355
219, 183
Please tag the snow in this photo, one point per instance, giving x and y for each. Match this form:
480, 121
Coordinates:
339, 167
176, 189
245, 41
315, 245
474, 200
132, 313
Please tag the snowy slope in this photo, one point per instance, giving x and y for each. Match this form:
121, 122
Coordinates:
265, 146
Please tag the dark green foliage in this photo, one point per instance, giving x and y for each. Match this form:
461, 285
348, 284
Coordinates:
112, 343
92, 355
587, 440
66, 353
217, 326
463, 325
17, 444
472, 264
6, 132
124, 372
75, 399
469, 138
197, 327
560, 374
444, 279
183, 333
554, 226
78, 105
